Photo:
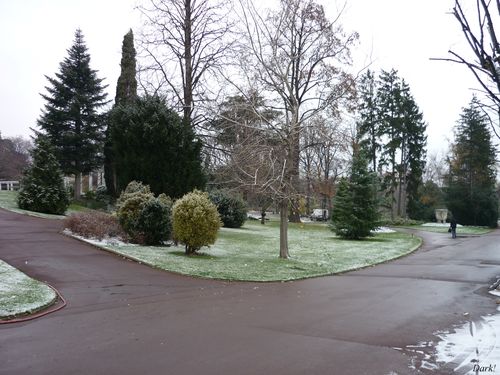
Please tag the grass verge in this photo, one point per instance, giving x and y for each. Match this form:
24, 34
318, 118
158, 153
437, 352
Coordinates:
8, 202
20, 294
444, 229
251, 253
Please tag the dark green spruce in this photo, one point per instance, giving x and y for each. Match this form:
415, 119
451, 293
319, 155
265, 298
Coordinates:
391, 131
355, 206
368, 124
42, 187
470, 191
71, 118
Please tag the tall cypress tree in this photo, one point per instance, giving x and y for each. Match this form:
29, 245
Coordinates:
470, 193
126, 94
70, 118
126, 86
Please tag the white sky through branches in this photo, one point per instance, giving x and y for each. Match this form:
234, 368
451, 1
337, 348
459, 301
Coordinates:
400, 34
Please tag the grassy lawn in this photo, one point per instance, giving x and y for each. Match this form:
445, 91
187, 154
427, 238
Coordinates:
444, 229
20, 294
251, 253
8, 202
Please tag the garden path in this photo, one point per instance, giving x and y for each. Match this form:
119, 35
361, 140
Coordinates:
126, 318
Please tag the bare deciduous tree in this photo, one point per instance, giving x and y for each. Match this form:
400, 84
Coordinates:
183, 42
483, 39
14, 157
296, 58
325, 156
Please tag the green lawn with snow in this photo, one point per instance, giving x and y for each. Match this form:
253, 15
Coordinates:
251, 253
20, 294
443, 228
8, 202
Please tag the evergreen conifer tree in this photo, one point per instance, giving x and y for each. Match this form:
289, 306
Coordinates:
42, 187
126, 94
413, 154
355, 208
470, 194
368, 124
70, 118
151, 145
400, 132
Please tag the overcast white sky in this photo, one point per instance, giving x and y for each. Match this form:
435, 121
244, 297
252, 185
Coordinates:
400, 34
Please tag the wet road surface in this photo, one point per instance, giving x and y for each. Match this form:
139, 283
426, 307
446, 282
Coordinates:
126, 318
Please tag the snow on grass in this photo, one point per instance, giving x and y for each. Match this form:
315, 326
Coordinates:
446, 225
8, 202
443, 228
20, 294
251, 253
383, 230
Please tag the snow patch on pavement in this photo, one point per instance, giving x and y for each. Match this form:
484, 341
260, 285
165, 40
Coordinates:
470, 348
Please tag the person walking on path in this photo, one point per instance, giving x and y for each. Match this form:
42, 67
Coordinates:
453, 227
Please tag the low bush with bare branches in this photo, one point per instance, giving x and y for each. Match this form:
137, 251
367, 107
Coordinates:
94, 224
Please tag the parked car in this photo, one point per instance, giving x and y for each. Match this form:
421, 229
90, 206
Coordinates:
319, 214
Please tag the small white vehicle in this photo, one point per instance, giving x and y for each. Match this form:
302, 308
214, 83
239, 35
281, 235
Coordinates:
319, 214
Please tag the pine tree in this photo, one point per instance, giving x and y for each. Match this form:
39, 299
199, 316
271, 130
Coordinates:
470, 193
126, 94
413, 154
368, 125
70, 118
402, 133
151, 145
355, 208
389, 99
42, 187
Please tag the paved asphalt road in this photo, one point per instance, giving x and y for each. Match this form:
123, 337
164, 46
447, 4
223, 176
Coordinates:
126, 318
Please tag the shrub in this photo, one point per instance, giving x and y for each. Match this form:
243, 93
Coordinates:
42, 187
195, 221
129, 212
154, 221
232, 210
94, 224
146, 219
132, 188
101, 195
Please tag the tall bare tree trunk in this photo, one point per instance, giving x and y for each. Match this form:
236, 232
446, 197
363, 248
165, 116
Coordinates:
295, 158
188, 57
78, 186
284, 228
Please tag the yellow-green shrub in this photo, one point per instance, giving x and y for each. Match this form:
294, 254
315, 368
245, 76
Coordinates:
195, 221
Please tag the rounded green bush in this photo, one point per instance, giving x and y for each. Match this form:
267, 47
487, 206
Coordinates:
132, 188
232, 210
154, 221
129, 212
195, 221
143, 217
